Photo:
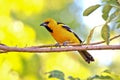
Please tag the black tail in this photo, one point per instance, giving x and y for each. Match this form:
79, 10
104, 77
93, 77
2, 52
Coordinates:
86, 56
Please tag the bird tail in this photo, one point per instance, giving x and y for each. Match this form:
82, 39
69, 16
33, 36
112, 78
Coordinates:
86, 56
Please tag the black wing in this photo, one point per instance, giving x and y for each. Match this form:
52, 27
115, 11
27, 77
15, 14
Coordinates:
65, 26
69, 29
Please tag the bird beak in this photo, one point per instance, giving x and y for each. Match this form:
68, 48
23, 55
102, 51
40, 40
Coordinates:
43, 24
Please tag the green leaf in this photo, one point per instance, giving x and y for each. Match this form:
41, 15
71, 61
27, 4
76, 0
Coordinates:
112, 75
90, 36
112, 2
118, 1
107, 71
100, 77
118, 19
115, 15
72, 78
56, 74
90, 9
105, 75
118, 25
118, 16
105, 11
105, 33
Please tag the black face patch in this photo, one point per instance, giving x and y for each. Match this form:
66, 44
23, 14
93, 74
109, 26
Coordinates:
45, 24
50, 30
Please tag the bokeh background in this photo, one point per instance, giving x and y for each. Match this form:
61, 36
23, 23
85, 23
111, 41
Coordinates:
19, 26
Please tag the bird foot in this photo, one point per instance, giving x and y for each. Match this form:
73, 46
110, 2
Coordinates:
65, 43
57, 45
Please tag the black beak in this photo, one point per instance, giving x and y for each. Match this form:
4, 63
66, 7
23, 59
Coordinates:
44, 24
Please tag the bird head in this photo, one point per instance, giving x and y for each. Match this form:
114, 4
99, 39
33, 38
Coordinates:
48, 22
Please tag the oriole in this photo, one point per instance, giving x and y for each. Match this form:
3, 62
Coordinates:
62, 33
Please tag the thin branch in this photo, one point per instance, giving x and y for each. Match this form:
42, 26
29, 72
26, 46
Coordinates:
104, 41
53, 48
48, 49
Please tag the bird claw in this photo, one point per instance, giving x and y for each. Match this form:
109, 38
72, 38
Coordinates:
57, 45
65, 43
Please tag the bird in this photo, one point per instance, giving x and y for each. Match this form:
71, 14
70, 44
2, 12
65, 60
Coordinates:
63, 34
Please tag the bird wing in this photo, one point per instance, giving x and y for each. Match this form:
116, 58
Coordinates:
69, 29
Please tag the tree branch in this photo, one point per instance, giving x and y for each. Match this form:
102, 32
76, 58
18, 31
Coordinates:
104, 41
60, 49
53, 48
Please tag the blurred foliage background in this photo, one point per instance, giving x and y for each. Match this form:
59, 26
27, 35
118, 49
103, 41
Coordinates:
19, 26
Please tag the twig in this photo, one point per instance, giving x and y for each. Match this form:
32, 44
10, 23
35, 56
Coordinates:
73, 48
53, 48
104, 41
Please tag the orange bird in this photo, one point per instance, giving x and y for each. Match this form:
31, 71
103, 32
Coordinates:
63, 34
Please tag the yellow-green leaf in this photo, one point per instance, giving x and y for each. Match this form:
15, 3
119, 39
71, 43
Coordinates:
56, 74
105, 11
72, 78
105, 33
90, 9
114, 15
118, 25
90, 36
